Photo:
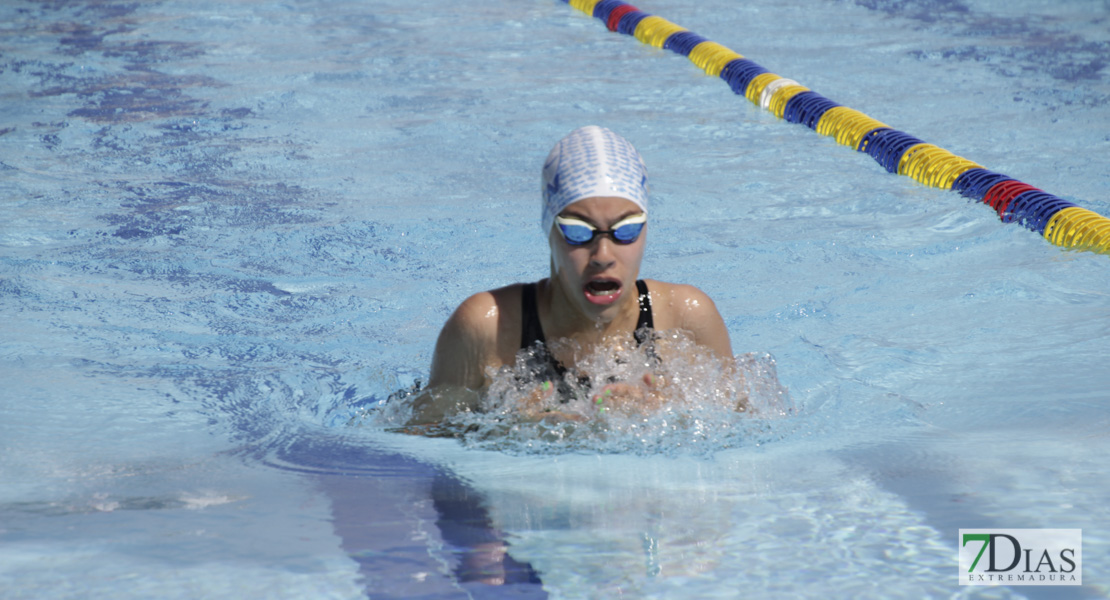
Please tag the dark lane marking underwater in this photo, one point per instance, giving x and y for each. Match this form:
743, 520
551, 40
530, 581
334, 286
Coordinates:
150, 116
379, 501
1058, 53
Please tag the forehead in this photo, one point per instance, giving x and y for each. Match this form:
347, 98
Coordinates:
602, 207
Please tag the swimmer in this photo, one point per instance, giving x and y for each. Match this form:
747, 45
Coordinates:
595, 217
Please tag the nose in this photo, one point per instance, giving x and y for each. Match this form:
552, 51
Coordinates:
601, 253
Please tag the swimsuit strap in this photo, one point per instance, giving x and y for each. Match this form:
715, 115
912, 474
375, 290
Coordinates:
531, 331
646, 320
531, 337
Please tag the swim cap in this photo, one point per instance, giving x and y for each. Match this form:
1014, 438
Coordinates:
591, 161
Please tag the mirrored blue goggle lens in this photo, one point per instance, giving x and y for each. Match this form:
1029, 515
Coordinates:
580, 234
577, 234
626, 234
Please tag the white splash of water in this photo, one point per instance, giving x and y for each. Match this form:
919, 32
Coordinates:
687, 400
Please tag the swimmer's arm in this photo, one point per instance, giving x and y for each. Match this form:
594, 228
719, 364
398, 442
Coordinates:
700, 317
434, 404
465, 347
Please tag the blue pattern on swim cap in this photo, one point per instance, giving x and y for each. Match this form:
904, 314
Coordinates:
591, 161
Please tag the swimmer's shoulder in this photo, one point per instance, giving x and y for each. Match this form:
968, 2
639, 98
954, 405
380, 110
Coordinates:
676, 303
683, 306
490, 320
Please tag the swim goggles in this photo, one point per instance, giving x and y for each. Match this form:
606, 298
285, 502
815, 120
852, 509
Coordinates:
578, 232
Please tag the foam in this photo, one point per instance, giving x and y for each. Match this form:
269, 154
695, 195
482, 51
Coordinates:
702, 404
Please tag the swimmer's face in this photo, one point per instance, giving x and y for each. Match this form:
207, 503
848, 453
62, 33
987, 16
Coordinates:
598, 277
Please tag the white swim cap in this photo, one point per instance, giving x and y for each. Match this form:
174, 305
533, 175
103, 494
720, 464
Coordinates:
591, 161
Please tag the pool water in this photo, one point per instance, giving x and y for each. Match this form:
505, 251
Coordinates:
231, 228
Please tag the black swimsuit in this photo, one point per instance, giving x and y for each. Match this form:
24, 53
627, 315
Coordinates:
547, 367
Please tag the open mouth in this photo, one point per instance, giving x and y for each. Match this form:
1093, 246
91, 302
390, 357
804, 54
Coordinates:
602, 291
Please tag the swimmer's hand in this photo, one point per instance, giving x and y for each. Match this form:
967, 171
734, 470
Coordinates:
435, 404
644, 396
537, 407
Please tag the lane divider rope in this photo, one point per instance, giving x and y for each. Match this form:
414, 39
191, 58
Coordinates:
1061, 222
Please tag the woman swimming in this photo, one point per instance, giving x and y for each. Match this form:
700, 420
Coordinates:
595, 210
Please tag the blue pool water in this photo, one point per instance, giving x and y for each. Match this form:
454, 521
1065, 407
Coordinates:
230, 228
